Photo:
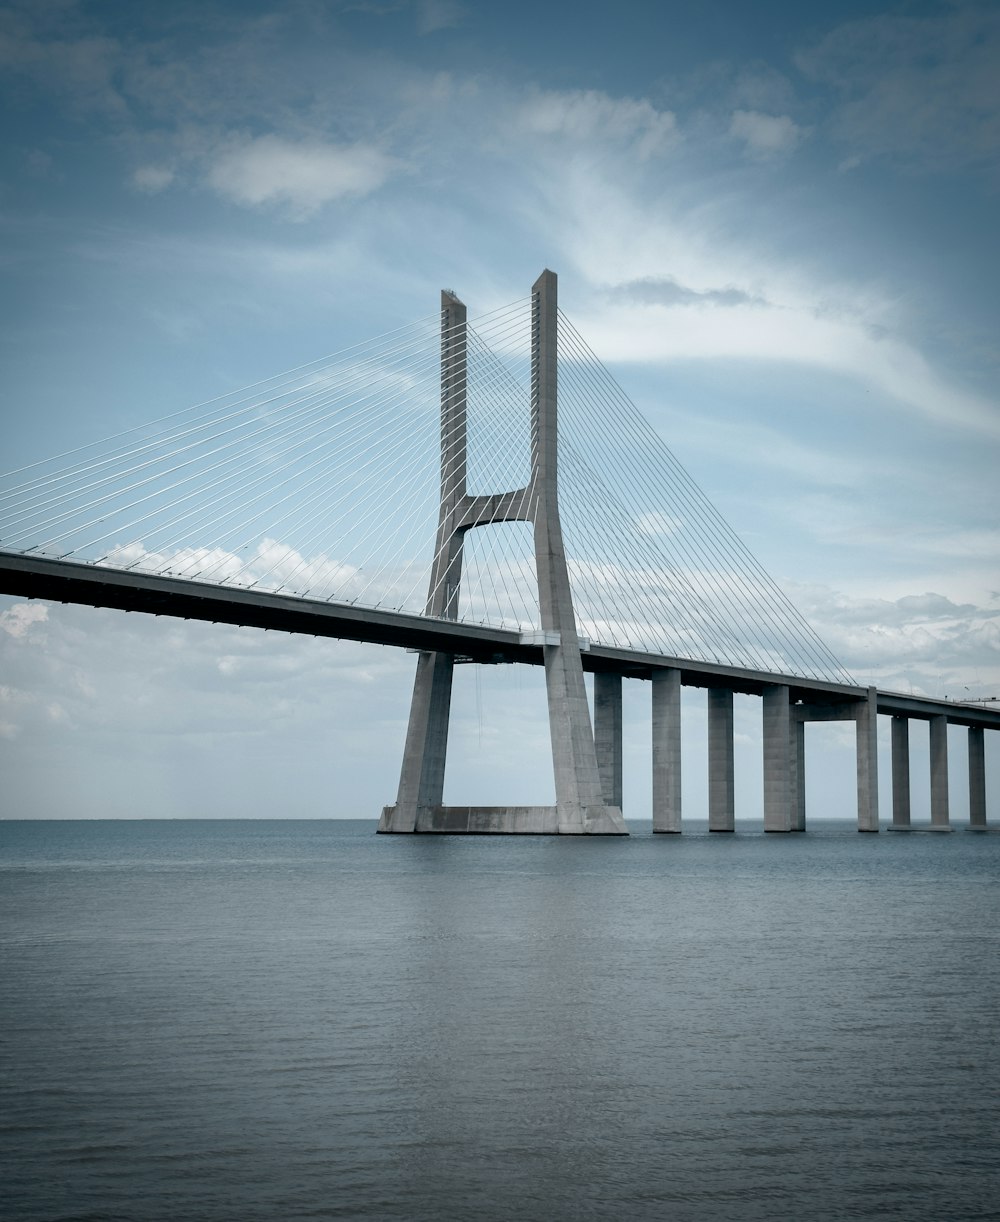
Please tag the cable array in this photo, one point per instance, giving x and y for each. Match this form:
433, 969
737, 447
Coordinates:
654, 565
324, 482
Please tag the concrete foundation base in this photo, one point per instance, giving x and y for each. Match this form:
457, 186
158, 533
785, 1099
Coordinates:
505, 821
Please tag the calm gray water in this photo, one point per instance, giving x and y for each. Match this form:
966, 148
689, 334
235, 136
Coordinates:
291, 1020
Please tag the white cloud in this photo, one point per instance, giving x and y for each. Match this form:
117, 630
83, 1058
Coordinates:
270, 733
586, 116
765, 136
278, 567
794, 334
611, 237
664, 290
17, 620
301, 176
922, 640
152, 179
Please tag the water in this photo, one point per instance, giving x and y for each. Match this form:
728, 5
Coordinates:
292, 1020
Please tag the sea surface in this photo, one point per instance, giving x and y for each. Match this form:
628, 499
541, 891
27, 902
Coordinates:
302, 1020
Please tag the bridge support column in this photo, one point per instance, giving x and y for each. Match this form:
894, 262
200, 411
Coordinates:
867, 740
421, 778
666, 750
777, 762
977, 777
608, 734
797, 772
721, 784
940, 820
900, 772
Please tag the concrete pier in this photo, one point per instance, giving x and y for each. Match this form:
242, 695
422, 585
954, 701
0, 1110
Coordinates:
666, 750
608, 734
900, 772
797, 772
867, 738
977, 777
721, 782
940, 819
777, 753
864, 714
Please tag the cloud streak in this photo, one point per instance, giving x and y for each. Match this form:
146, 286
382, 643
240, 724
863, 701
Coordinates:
298, 176
589, 117
766, 136
665, 291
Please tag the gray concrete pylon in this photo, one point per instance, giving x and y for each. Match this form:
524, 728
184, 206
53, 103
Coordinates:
667, 750
797, 773
977, 777
777, 758
579, 799
608, 734
939, 772
721, 772
421, 779
867, 748
900, 772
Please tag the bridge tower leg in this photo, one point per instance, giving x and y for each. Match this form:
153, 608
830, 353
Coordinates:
421, 780
581, 805
580, 801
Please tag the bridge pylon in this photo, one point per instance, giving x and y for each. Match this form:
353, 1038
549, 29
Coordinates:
581, 807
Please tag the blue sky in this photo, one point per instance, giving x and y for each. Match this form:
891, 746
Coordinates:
776, 225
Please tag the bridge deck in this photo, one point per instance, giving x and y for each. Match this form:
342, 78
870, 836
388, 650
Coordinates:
98, 586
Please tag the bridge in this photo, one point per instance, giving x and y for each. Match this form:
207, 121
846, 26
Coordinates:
548, 526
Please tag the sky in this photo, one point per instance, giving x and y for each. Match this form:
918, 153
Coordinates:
775, 224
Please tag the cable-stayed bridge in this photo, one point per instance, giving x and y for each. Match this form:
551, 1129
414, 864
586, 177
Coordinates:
472, 490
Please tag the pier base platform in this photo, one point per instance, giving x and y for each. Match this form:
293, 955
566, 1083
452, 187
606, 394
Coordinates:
504, 821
